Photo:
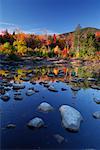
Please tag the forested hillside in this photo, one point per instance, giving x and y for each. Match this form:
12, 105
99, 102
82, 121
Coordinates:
81, 43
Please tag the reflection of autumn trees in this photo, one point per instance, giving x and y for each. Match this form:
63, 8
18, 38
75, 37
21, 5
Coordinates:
69, 73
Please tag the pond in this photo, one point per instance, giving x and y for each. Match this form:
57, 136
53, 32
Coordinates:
19, 112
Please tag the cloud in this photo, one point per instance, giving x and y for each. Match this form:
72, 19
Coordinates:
13, 27
40, 31
8, 24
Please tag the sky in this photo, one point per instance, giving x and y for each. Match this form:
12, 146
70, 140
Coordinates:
52, 16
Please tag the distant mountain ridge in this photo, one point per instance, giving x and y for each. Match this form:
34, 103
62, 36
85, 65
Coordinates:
87, 29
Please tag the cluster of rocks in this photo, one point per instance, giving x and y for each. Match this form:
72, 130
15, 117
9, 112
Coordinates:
48, 86
71, 118
38, 122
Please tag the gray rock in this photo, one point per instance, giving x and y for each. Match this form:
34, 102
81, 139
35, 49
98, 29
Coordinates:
36, 123
31, 88
30, 92
96, 114
53, 89
75, 88
18, 86
46, 85
7, 88
97, 100
25, 79
45, 107
17, 93
18, 97
95, 87
75, 80
5, 97
92, 79
71, 118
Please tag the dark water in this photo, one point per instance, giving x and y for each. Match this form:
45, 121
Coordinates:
21, 112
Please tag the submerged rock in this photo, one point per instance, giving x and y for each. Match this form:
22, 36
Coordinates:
10, 126
5, 97
96, 114
71, 118
30, 92
17, 93
63, 89
36, 91
53, 89
36, 123
59, 138
31, 88
45, 107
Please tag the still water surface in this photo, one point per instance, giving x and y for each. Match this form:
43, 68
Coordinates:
20, 112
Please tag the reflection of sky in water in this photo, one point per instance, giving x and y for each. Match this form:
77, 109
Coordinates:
20, 112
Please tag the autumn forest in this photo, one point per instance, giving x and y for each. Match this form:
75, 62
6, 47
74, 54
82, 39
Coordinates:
83, 43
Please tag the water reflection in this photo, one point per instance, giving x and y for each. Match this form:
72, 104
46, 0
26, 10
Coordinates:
64, 74
77, 80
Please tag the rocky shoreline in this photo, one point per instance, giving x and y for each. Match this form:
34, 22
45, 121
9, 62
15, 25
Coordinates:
38, 61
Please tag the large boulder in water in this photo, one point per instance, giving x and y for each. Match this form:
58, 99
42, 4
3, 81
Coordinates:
71, 118
45, 107
36, 123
